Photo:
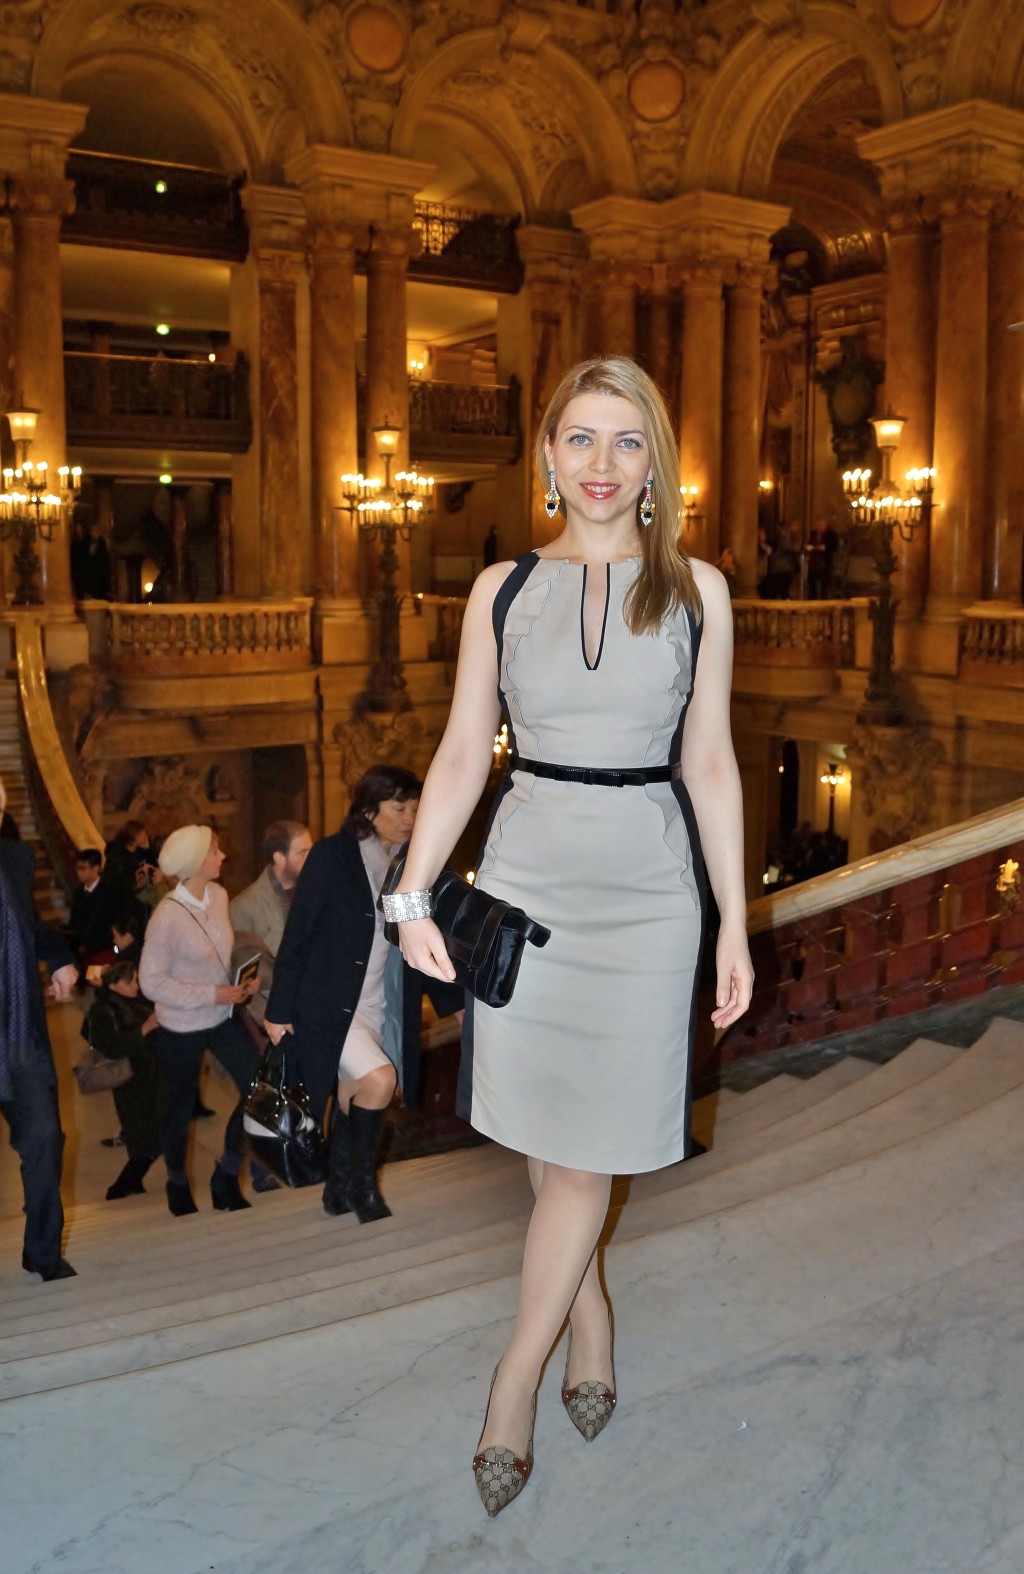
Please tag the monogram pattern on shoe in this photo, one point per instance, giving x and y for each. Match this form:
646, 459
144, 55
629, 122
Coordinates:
500, 1477
589, 1408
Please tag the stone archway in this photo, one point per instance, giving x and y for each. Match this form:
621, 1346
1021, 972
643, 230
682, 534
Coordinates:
251, 70
762, 85
538, 105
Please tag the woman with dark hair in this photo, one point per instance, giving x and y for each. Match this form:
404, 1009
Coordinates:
345, 995
602, 831
118, 1025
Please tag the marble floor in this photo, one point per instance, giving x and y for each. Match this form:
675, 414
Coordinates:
820, 1356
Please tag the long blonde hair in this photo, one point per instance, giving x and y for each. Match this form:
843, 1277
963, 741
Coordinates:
665, 581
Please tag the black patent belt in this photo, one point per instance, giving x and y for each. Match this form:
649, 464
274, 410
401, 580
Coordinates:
592, 776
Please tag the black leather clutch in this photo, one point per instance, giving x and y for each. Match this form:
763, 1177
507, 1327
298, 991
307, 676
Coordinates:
484, 936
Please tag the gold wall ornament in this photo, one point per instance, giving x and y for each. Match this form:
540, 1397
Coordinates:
1008, 886
911, 13
657, 89
376, 38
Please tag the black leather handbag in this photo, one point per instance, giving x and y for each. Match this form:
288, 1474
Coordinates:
484, 936
279, 1128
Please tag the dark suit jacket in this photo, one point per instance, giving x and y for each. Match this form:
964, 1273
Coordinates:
321, 965
42, 944
92, 915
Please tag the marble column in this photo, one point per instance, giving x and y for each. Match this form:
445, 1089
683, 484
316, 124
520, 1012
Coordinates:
387, 371
700, 401
613, 285
1003, 549
742, 421
334, 419
39, 202
958, 524
659, 358
223, 525
181, 589
910, 376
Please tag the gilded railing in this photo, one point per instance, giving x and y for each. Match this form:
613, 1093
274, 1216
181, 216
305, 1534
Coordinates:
193, 638
156, 206
992, 644
795, 633
463, 245
65, 822
140, 400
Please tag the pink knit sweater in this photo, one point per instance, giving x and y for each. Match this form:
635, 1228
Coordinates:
185, 956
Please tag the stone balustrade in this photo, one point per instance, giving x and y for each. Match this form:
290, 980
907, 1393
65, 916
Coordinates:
795, 633
992, 645
444, 615
201, 638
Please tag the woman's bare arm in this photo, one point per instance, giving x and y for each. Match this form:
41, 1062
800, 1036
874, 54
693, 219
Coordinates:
458, 772
712, 780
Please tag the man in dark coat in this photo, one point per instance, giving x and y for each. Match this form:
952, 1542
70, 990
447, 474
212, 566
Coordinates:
28, 1079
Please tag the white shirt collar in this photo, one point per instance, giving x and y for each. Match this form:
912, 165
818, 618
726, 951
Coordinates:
184, 895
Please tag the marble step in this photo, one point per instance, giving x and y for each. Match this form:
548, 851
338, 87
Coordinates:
799, 1093
387, 1271
216, 1329
991, 1068
918, 1061
759, 1097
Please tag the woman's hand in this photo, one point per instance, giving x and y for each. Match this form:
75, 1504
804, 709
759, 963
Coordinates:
422, 945
276, 1031
232, 994
63, 981
735, 978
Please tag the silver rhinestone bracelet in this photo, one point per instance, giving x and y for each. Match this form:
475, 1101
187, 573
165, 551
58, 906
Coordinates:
404, 906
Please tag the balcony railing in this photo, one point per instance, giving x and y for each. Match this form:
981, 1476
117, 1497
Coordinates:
199, 638
992, 645
444, 615
460, 421
134, 401
795, 633
147, 206
462, 246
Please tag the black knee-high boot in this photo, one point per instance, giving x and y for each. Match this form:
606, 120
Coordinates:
129, 1182
339, 1165
363, 1196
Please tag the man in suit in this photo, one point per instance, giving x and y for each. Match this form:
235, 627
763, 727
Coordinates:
95, 908
28, 1079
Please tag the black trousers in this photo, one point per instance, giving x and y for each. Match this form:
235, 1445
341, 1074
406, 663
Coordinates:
180, 1059
34, 1120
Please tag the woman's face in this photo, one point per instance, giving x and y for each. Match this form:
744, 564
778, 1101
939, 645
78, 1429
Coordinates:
394, 820
601, 456
210, 867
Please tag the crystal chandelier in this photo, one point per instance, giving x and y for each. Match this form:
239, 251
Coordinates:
886, 503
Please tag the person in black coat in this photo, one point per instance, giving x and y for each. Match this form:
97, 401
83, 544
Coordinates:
118, 1025
28, 1079
95, 909
345, 997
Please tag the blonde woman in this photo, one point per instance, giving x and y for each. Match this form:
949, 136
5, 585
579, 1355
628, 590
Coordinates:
588, 647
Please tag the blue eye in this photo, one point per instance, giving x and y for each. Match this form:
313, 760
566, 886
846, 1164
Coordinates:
579, 438
631, 442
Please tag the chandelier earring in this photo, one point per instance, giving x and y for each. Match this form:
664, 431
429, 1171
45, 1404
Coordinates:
553, 498
647, 505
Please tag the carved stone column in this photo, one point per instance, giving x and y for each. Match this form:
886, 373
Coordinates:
332, 254
1003, 555
910, 374
223, 526
700, 400
742, 421
659, 357
961, 378
267, 480
613, 290
387, 371
39, 203
181, 588
551, 343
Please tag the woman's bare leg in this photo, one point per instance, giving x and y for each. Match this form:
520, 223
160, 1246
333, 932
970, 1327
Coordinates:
373, 1091
567, 1219
591, 1354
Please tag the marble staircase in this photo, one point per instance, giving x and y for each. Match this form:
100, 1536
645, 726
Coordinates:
829, 1297
51, 901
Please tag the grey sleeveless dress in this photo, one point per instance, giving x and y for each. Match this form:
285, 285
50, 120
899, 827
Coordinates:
589, 1064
